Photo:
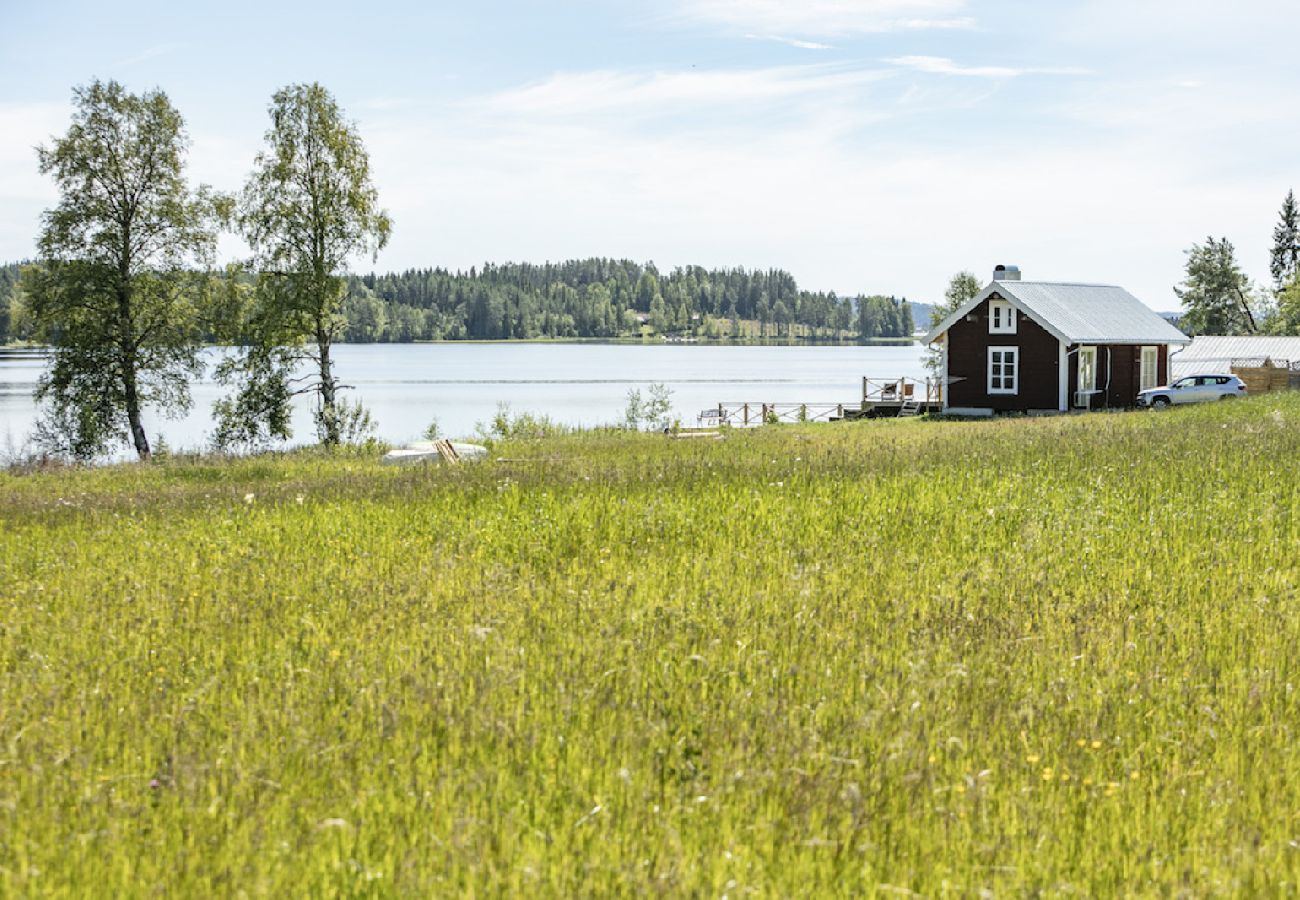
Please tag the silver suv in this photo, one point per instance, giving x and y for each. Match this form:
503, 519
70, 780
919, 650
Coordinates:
1194, 389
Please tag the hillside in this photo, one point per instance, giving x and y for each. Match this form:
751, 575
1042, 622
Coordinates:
1027, 656
590, 298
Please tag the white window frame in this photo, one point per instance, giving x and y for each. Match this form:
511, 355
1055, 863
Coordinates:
1002, 317
1149, 376
1084, 391
1015, 370
1091, 354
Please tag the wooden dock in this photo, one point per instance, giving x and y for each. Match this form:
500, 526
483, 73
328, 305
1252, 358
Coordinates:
882, 398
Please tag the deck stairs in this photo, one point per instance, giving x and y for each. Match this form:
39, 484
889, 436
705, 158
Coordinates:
910, 407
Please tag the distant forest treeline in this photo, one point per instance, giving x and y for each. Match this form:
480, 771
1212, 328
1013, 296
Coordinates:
8, 299
592, 298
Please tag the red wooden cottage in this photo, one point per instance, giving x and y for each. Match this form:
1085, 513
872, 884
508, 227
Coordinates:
1039, 345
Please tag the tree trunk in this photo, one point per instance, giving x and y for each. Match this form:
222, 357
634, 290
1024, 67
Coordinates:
138, 437
329, 420
1245, 307
130, 388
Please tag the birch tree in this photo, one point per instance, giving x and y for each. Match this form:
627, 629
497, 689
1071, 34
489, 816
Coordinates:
116, 292
307, 210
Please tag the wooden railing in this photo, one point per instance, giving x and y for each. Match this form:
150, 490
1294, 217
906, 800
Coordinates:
900, 390
907, 393
746, 414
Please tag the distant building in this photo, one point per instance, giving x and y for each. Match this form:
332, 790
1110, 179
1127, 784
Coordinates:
1214, 353
1022, 346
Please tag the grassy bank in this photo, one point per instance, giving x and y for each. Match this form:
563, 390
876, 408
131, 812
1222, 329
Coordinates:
1038, 655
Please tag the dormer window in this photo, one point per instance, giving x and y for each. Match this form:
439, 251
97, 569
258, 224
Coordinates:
1002, 317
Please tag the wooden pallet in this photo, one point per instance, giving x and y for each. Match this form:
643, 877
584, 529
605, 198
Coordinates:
447, 452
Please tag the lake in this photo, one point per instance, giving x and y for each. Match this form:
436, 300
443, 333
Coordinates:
406, 386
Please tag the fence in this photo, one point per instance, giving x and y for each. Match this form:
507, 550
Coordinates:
900, 390
1263, 376
745, 414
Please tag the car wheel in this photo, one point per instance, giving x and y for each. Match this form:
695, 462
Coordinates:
1228, 397
1160, 403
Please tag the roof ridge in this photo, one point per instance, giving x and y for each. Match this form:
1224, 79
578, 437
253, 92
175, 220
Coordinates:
1066, 283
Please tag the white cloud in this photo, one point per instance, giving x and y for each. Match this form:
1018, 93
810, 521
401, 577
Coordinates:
793, 42
149, 53
827, 18
24, 192
817, 169
587, 94
941, 65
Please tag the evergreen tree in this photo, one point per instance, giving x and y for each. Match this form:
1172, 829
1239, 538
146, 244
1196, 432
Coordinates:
1287, 318
783, 317
869, 318
366, 315
1215, 293
658, 314
1285, 263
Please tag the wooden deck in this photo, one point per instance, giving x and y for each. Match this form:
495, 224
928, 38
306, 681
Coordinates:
881, 399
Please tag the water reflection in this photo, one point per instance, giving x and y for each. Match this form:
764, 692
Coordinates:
408, 385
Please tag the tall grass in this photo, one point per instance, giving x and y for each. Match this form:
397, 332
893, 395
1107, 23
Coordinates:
1029, 656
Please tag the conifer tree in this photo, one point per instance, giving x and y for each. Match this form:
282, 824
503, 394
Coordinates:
1215, 293
1285, 263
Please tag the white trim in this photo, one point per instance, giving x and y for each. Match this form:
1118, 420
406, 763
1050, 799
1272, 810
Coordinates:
1091, 353
1083, 393
1004, 323
943, 375
1015, 371
1006, 291
1062, 378
1142, 368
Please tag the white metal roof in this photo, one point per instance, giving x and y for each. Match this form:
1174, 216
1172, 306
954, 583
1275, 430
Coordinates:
1078, 313
1218, 353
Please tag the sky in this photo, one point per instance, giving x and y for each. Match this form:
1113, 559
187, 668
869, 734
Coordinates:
867, 146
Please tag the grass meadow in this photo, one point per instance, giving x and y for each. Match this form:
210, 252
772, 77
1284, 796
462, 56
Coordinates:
1053, 656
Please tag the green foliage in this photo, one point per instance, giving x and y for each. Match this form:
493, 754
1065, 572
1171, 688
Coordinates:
258, 413
653, 411
808, 661
1287, 318
962, 287
432, 432
10, 327
115, 294
308, 209
599, 298
1215, 293
508, 426
349, 420
883, 317
592, 298
1284, 260
365, 314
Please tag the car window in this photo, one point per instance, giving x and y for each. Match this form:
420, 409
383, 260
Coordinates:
1184, 382
1222, 380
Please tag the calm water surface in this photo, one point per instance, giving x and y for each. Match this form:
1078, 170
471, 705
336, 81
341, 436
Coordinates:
407, 385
